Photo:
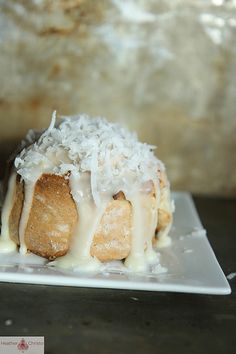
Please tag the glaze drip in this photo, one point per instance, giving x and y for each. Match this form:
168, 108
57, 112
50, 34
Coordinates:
152, 221
89, 217
144, 221
28, 199
6, 244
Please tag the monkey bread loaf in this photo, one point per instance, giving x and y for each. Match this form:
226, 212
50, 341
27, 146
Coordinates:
86, 191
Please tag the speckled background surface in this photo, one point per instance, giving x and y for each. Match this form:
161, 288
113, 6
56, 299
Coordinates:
164, 68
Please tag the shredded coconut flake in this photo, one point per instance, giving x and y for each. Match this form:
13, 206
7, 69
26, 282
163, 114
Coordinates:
231, 276
53, 121
113, 156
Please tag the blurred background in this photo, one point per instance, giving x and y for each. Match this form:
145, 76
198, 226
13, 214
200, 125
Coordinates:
166, 69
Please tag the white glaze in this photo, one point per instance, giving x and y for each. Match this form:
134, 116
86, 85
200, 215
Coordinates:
89, 217
28, 199
151, 224
6, 244
144, 221
163, 239
136, 260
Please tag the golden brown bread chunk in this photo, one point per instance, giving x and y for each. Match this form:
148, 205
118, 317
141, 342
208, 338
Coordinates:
52, 216
165, 216
164, 219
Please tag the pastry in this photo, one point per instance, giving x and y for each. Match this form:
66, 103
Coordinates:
87, 191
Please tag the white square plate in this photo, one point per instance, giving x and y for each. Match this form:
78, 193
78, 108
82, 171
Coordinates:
188, 265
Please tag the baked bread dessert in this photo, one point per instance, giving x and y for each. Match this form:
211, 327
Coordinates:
87, 191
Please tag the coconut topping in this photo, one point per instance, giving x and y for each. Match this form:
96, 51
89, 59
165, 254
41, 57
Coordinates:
113, 156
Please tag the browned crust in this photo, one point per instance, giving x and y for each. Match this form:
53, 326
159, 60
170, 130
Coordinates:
164, 219
113, 237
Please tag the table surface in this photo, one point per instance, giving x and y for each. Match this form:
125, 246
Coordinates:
85, 320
